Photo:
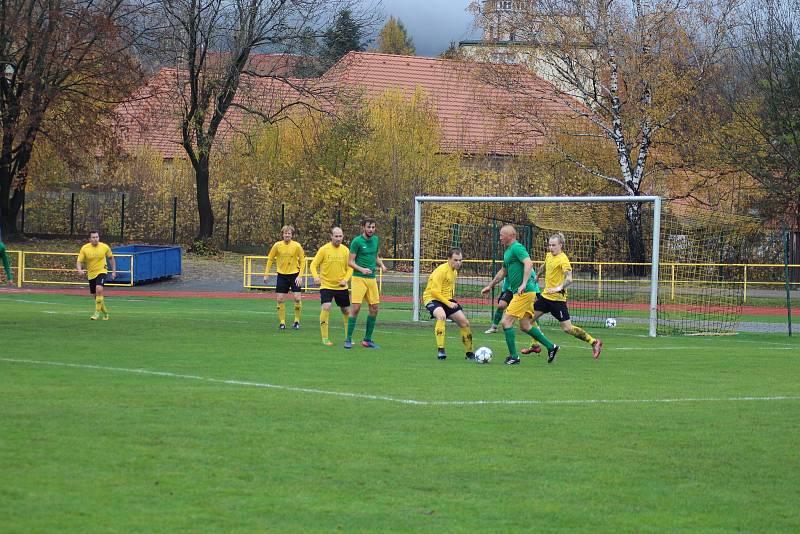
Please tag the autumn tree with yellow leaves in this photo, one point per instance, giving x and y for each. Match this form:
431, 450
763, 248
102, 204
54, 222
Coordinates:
394, 39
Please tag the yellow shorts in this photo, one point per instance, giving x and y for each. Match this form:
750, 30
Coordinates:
521, 305
364, 287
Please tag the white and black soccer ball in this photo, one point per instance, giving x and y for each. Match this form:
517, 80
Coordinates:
483, 355
611, 322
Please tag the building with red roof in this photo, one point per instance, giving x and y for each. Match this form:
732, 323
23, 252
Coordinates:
472, 112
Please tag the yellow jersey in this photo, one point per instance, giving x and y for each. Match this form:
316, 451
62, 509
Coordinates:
332, 262
441, 284
94, 259
288, 257
555, 269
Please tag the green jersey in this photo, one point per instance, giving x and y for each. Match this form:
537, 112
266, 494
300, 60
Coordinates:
505, 287
513, 263
366, 251
6, 265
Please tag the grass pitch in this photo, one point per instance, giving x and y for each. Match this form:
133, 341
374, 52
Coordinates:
191, 414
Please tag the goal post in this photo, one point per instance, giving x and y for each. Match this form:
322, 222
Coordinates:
656, 232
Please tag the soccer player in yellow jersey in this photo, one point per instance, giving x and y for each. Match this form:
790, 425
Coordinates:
331, 260
93, 256
438, 300
553, 300
290, 262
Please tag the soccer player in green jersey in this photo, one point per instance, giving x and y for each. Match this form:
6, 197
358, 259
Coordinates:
364, 260
518, 267
6, 264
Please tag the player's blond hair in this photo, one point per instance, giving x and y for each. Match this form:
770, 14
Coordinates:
559, 236
287, 227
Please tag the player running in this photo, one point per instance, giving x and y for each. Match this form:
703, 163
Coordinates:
553, 300
93, 256
518, 267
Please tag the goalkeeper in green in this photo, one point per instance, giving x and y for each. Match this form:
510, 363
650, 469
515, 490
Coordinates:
438, 300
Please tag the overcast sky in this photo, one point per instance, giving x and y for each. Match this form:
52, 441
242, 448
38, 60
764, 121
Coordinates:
433, 24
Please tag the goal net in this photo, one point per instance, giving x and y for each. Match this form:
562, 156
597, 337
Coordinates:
611, 251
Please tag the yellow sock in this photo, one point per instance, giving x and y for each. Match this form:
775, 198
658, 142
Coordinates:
581, 334
282, 313
103, 305
323, 323
297, 307
344, 320
98, 304
466, 338
439, 330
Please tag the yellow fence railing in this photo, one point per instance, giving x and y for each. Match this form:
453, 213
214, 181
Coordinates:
254, 279
59, 268
604, 273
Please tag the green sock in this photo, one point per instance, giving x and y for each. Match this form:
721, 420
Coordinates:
370, 327
539, 336
511, 341
498, 314
351, 326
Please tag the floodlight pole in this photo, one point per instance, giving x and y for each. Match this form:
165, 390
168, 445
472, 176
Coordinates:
622, 199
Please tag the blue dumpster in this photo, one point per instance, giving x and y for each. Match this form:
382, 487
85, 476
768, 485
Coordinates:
150, 263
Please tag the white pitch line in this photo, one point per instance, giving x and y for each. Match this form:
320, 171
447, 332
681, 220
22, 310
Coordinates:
396, 400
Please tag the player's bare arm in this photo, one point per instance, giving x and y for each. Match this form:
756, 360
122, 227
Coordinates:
539, 273
79, 266
113, 267
381, 265
351, 262
496, 280
566, 283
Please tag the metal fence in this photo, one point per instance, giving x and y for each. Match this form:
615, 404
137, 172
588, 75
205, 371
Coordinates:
240, 225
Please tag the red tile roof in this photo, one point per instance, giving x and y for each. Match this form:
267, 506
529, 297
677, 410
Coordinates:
472, 113
153, 114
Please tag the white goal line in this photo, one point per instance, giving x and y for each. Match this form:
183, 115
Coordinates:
396, 400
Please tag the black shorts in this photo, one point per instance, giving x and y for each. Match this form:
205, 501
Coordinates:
341, 296
99, 280
506, 297
432, 305
556, 308
285, 283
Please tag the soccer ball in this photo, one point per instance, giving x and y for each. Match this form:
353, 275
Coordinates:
611, 322
483, 355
